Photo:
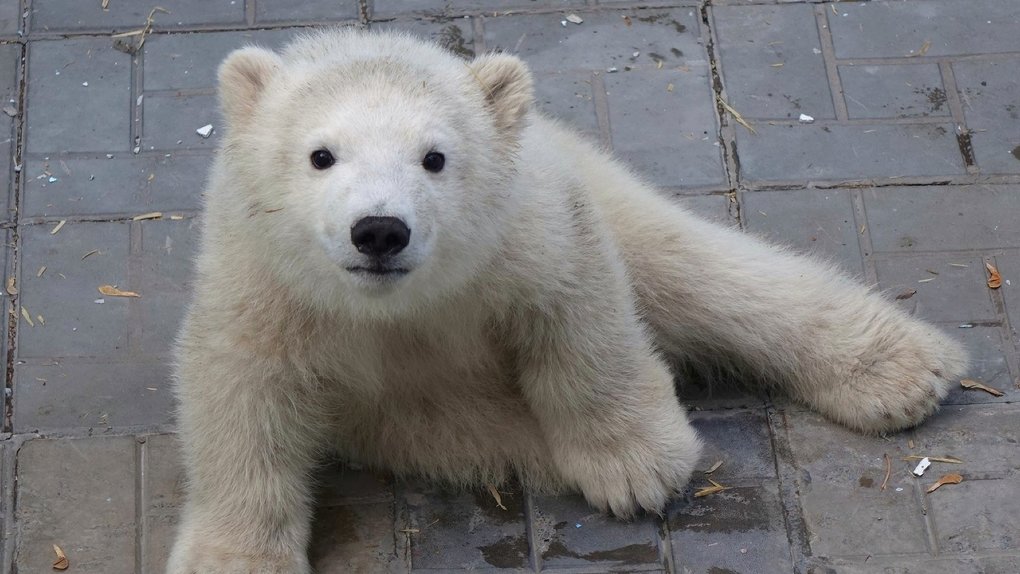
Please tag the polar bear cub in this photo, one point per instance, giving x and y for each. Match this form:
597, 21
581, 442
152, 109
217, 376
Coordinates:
404, 262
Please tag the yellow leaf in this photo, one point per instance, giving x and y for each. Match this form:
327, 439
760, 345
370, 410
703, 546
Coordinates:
111, 291
972, 384
947, 479
61, 563
994, 279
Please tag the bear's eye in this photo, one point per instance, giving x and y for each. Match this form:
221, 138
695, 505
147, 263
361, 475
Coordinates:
434, 162
322, 159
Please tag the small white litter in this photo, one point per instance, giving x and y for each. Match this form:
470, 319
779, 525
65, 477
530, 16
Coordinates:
611, 70
100, 301
574, 19
806, 119
922, 466
86, 84
205, 131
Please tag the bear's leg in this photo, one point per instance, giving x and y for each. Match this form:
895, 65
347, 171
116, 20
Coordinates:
803, 325
249, 441
605, 403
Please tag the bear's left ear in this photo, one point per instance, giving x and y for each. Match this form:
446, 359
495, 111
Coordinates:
243, 76
506, 82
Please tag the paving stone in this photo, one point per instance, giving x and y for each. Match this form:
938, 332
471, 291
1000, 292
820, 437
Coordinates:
844, 508
340, 484
74, 15
991, 103
567, 97
190, 61
900, 565
163, 496
317, 11
459, 529
605, 40
984, 436
10, 18
6, 505
943, 218
170, 122
899, 91
841, 152
80, 495
816, 221
10, 62
901, 29
83, 394
752, 39
162, 269
73, 324
125, 184
1000, 564
711, 207
1009, 269
977, 515
390, 8
569, 533
353, 538
683, 150
988, 364
738, 438
66, 116
737, 530
945, 290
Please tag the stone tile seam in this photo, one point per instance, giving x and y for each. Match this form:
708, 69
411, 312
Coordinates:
789, 488
963, 136
826, 42
250, 11
141, 500
725, 129
962, 180
862, 230
1006, 328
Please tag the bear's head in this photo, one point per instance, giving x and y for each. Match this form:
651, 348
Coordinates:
375, 171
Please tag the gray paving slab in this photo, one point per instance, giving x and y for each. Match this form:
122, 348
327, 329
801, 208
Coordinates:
842, 152
10, 65
712, 207
894, 91
976, 515
188, 61
392, 8
455, 35
354, 538
845, 510
318, 11
738, 438
568, 97
6, 504
914, 219
79, 96
48, 16
458, 529
949, 287
771, 61
123, 184
902, 29
983, 436
605, 40
171, 122
737, 530
78, 494
683, 149
161, 265
903, 565
989, 364
990, 92
569, 534
82, 395
161, 500
820, 222
10, 18
1009, 269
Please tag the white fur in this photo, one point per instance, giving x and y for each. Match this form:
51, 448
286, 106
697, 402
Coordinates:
545, 282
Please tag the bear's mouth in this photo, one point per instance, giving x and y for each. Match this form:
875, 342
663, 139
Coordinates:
378, 270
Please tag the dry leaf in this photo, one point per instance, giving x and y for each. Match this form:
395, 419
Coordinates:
27, 316
736, 115
41, 271
888, 470
176, 217
949, 459
910, 443
495, 495
906, 294
152, 215
93, 252
947, 479
714, 467
972, 384
11, 288
61, 563
111, 291
715, 488
57, 228
994, 279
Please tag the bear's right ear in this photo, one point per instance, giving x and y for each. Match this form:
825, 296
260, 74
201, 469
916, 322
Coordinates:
506, 82
243, 76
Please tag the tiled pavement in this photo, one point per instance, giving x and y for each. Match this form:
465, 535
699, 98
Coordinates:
909, 177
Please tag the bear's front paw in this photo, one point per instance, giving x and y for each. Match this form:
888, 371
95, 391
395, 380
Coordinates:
641, 471
900, 383
204, 558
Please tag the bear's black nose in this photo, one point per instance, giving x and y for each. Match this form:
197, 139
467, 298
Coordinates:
380, 236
